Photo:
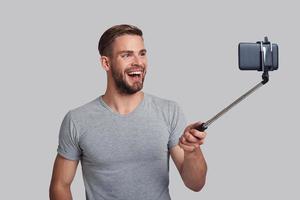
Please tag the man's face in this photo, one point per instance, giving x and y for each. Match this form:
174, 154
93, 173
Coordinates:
128, 63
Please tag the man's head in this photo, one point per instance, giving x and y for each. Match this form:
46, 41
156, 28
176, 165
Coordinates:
123, 56
108, 37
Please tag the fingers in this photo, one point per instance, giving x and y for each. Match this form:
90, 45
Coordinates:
192, 126
187, 147
197, 134
194, 136
185, 142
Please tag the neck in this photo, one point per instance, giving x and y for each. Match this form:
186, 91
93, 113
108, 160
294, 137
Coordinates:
122, 103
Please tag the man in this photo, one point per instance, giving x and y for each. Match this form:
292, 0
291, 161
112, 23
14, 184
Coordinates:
125, 137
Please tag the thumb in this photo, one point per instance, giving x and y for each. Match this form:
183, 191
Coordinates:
196, 124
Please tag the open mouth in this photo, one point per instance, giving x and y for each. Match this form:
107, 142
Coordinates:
135, 74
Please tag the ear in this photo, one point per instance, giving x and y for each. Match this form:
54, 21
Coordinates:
105, 62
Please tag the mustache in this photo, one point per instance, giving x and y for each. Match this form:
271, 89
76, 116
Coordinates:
135, 68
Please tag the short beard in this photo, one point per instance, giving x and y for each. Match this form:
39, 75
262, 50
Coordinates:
122, 86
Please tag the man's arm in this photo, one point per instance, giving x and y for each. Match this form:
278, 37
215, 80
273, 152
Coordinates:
189, 159
63, 173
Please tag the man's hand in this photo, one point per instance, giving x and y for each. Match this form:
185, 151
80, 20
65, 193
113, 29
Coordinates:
193, 167
192, 138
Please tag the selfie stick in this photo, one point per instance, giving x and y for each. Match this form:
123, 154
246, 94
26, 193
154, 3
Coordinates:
205, 125
265, 79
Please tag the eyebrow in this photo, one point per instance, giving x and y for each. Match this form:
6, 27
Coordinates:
143, 50
129, 51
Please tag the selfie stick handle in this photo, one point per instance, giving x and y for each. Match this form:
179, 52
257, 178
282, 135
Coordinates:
205, 125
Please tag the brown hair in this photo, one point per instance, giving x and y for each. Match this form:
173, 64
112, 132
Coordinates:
108, 37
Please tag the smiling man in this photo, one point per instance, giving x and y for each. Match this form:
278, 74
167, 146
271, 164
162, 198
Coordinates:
124, 138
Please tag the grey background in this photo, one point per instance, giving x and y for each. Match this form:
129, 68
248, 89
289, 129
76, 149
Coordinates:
49, 64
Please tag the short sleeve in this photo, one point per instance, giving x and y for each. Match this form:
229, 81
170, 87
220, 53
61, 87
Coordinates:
68, 144
177, 124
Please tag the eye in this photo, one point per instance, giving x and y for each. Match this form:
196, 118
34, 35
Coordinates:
125, 55
143, 53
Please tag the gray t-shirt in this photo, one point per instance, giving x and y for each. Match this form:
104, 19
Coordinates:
124, 157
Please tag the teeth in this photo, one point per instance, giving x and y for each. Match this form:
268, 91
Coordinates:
133, 73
